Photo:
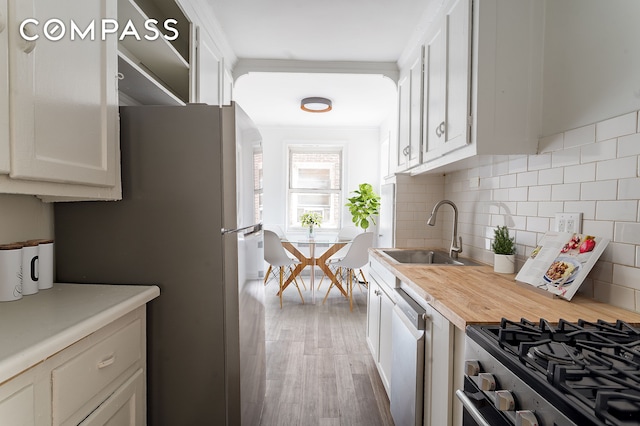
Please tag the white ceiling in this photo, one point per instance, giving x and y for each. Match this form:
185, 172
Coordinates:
324, 30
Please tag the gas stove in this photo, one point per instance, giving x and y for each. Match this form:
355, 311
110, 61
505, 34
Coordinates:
526, 373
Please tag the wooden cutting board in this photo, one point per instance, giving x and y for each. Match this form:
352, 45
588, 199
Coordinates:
477, 295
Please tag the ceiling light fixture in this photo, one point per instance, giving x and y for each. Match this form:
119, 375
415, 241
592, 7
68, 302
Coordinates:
315, 104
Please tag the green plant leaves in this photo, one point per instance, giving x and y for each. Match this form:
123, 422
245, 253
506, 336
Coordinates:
502, 244
364, 205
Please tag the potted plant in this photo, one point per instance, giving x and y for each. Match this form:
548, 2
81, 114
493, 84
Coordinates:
363, 206
311, 220
504, 249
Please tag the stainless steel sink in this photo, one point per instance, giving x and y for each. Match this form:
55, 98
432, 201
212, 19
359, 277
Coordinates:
427, 257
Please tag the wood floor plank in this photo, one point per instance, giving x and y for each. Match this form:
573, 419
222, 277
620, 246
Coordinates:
319, 369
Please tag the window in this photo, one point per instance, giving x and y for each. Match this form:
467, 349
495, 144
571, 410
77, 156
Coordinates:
315, 185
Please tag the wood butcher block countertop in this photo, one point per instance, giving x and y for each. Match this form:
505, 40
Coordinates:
476, 295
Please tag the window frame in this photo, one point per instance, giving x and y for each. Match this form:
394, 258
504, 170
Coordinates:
294, 225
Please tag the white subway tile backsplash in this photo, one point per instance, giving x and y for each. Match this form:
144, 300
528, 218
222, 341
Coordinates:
537, 224
538, 162
617, 126
626, 232
606, 150
622, 254
592, 169
567, 191
551, 143
604, 190
626, 276
527, 178
508, 181
526, 238
527, 208
587, 208
580, 173
625, 211
600, 228
629, 145
540, 193
629, 189
617, 169
550, 208
566, 157
580, 136
518, 194
615, 295
517, 164
551, 176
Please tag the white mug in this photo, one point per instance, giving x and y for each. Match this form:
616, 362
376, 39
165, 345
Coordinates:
10, 272
29, 268
45, 263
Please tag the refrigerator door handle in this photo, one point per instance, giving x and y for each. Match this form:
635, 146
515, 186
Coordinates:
251, 229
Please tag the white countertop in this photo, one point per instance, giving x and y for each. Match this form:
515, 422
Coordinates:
38, 326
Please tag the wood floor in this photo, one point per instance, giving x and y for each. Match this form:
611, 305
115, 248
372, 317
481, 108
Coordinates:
319, 369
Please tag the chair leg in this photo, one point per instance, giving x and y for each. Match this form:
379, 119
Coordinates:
295, 282
266, 276
327, 295
364, 280
350, 290
281, 282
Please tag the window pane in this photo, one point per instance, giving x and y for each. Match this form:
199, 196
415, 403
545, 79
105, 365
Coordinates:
326, 204
315, 170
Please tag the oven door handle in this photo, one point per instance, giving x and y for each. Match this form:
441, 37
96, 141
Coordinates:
471, 408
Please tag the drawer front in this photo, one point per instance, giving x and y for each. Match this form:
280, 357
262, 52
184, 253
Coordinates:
383, 275
78, 380
125, 407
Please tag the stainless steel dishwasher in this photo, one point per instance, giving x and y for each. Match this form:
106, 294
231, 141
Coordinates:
407, 354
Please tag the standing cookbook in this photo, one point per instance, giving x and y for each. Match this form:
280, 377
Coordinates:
561, 261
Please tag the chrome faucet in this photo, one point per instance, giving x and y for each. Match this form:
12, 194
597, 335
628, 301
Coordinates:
456, 242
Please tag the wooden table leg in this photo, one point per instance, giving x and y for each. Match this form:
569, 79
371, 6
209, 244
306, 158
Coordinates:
322, 264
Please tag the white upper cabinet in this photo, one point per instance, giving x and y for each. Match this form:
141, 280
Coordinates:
447, 76
404, 114
63, 98
208, 78
410, 116
482, 81
4, 90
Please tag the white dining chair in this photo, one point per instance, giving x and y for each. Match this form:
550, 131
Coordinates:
357, 256
276, 256
347, 233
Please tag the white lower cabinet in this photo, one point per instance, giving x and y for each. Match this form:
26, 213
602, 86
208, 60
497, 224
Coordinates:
99, 380
379, 310
444, 348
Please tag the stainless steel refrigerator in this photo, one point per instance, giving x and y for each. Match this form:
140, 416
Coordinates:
185, 223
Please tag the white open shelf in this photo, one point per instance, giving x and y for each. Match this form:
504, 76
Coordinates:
159, 57
138, 84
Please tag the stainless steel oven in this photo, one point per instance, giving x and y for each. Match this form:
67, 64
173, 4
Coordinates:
544, 374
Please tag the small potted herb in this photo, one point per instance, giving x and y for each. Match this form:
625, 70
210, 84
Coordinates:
504, 250
311, 220
364, 205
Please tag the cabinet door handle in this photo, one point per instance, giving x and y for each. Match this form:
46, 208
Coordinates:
377, 292
27, 46
407, 150
440, 129
107, 362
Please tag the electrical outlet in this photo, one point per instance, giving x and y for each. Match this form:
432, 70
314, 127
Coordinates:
569, 222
